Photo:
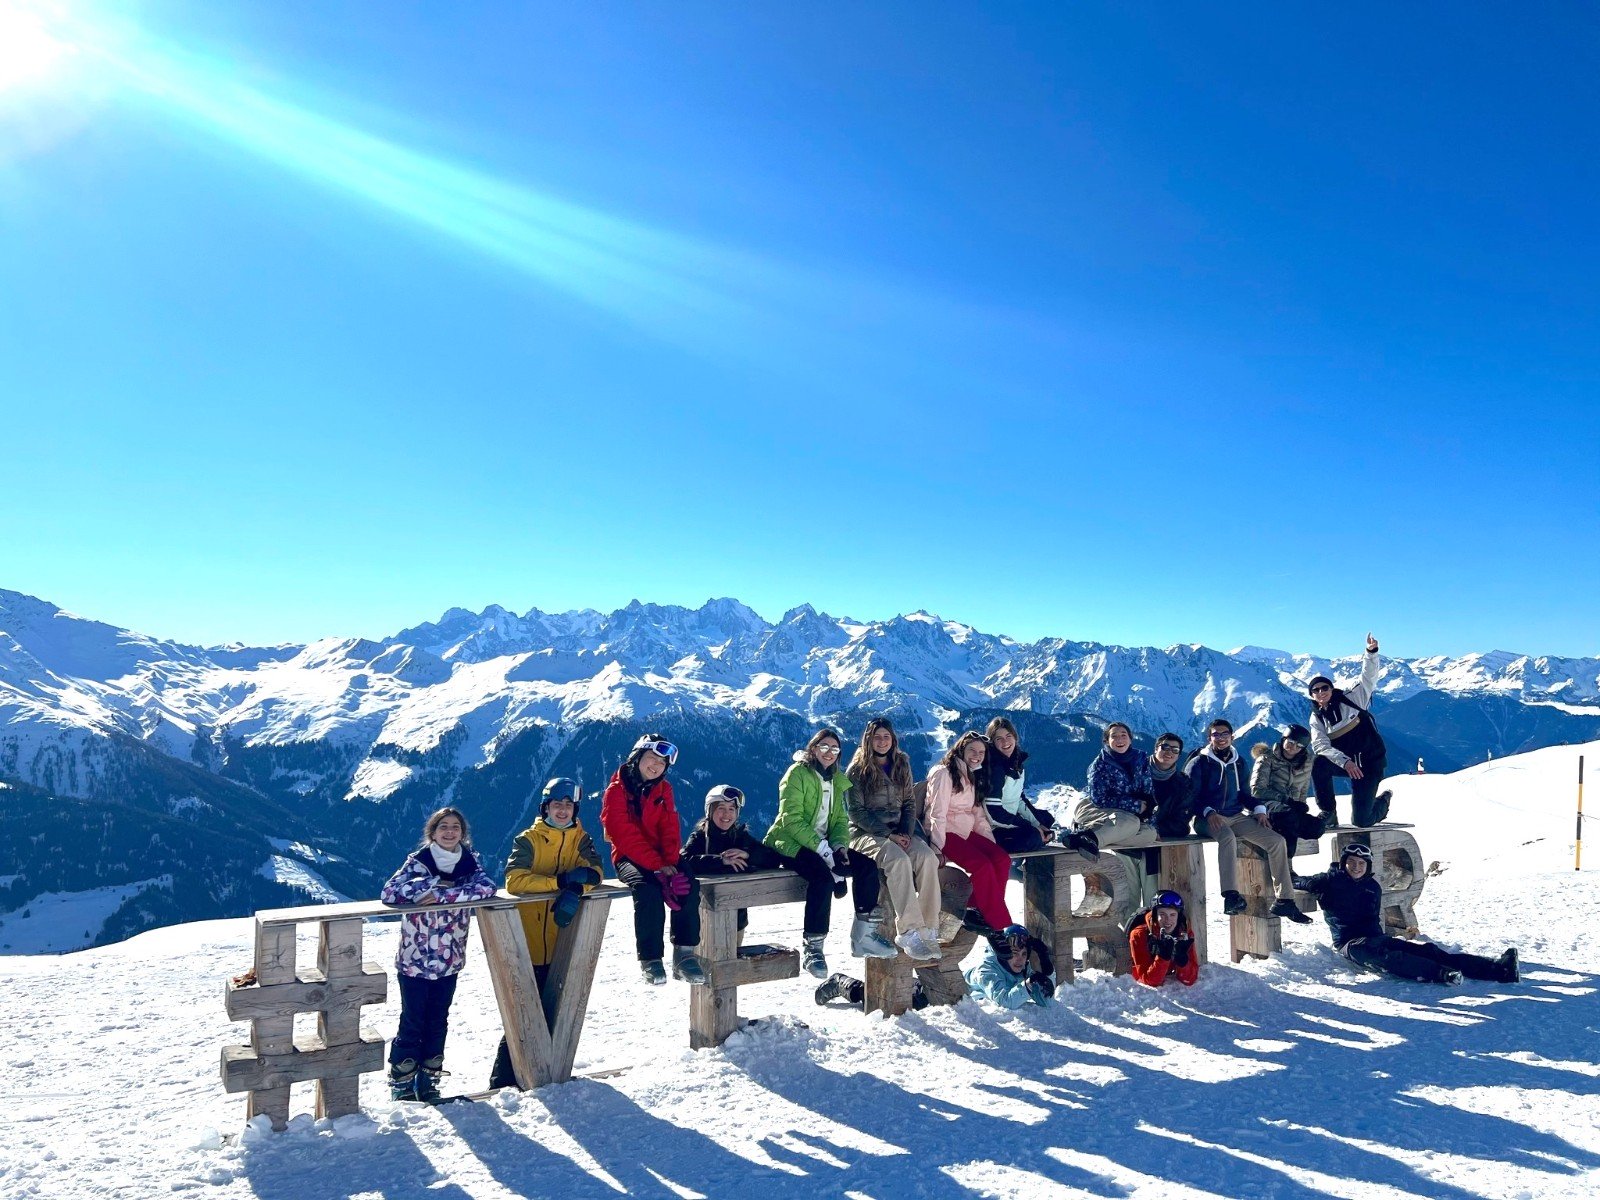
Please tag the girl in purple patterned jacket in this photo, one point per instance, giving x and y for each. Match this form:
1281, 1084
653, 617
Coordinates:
433, 949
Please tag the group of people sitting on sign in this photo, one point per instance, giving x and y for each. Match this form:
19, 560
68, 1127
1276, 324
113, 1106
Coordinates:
858, 829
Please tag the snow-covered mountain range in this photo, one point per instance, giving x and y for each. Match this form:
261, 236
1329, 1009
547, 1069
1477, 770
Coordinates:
345, 743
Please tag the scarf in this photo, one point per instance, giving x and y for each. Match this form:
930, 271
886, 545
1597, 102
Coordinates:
1161, 776
445, 860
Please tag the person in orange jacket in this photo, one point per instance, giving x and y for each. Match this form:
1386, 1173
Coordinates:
1162, 944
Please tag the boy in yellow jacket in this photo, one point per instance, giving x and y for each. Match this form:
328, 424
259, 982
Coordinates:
554, 854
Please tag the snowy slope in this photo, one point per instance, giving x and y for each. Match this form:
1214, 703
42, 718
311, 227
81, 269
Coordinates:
1297, 1077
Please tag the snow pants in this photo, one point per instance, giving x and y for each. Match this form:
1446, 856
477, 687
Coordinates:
424, 1018
1245, 828
1364, 806
990, 867
1019, 838
912, 877
1296, 822
1422, 961
650, 912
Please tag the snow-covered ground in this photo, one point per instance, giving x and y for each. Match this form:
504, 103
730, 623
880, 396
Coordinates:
1297, 1077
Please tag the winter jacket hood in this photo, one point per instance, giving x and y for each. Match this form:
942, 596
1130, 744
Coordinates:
1278, 781
434, 944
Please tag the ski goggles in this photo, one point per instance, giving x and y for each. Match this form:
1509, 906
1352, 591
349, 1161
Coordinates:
725, 793
665, 749
1357, 850
1168, 900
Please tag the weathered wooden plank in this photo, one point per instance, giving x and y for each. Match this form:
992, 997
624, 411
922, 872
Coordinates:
1183, 870
764, 968
311, 991
1255, 931
243, 1069
714, 1007
339, 957
1041, 908
516, 992
275, 958
369, 909
567, 987
719, 893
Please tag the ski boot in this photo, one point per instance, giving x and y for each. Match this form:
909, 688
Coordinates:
865, 941
1509, 966
1289, 910
1233, 903
686, 965
811, 957
405, 1081
428, 1075
835, 987
652, 971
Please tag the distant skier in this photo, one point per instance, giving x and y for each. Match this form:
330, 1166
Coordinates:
640, 819
433, 949
554, 854
1225, 810
1280, 780
1016, 970
1346, 741
1019, 826
812, 833
1161, 944
1120, 806
883, 832
1351, 899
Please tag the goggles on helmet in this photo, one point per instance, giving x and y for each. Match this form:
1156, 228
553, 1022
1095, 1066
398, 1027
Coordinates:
726, 793
1168, 900
1357, 850
665, 749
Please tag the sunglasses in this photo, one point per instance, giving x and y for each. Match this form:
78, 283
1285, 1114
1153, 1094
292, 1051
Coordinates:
1168, 748
1295, 744
665, 749
1320, 689
827, 748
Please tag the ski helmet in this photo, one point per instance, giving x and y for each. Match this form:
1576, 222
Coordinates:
724, 793
1168, 900
1014, 938
560, 788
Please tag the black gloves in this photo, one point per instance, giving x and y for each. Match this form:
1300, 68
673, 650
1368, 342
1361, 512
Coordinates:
1180, 953
577, 877
840, 887
1039, 957
1043, 982
1164, 946
841, 861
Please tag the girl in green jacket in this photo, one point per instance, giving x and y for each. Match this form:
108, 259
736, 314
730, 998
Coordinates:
811, 831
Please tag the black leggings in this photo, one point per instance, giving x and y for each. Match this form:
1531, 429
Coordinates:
1417, 960
808, 864
1363, 791
650, 911
502, 1074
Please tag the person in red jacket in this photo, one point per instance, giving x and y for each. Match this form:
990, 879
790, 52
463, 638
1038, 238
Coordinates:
1162, 944
640, 821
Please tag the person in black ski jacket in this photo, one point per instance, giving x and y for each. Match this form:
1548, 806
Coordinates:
1019, 825
1345, 740
721, 844
1173, 795
1351, 899
1225, 810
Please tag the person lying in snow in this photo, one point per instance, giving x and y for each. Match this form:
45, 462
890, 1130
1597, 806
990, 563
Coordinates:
1161, 943
1014, 971
1351, 898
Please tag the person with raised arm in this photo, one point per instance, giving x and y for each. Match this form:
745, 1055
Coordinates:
640, 819
883, 837
1345, 741
433, 948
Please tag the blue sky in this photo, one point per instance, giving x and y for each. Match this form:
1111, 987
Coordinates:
1140, 325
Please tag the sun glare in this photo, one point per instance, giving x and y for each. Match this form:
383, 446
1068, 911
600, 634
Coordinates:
28, 51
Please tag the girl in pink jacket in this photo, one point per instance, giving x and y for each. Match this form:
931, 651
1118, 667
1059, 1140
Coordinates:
959, 829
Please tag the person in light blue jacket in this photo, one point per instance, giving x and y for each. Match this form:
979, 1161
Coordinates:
1016, 972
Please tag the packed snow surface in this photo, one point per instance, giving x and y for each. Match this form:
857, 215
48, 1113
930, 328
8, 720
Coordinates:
1298, 1077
